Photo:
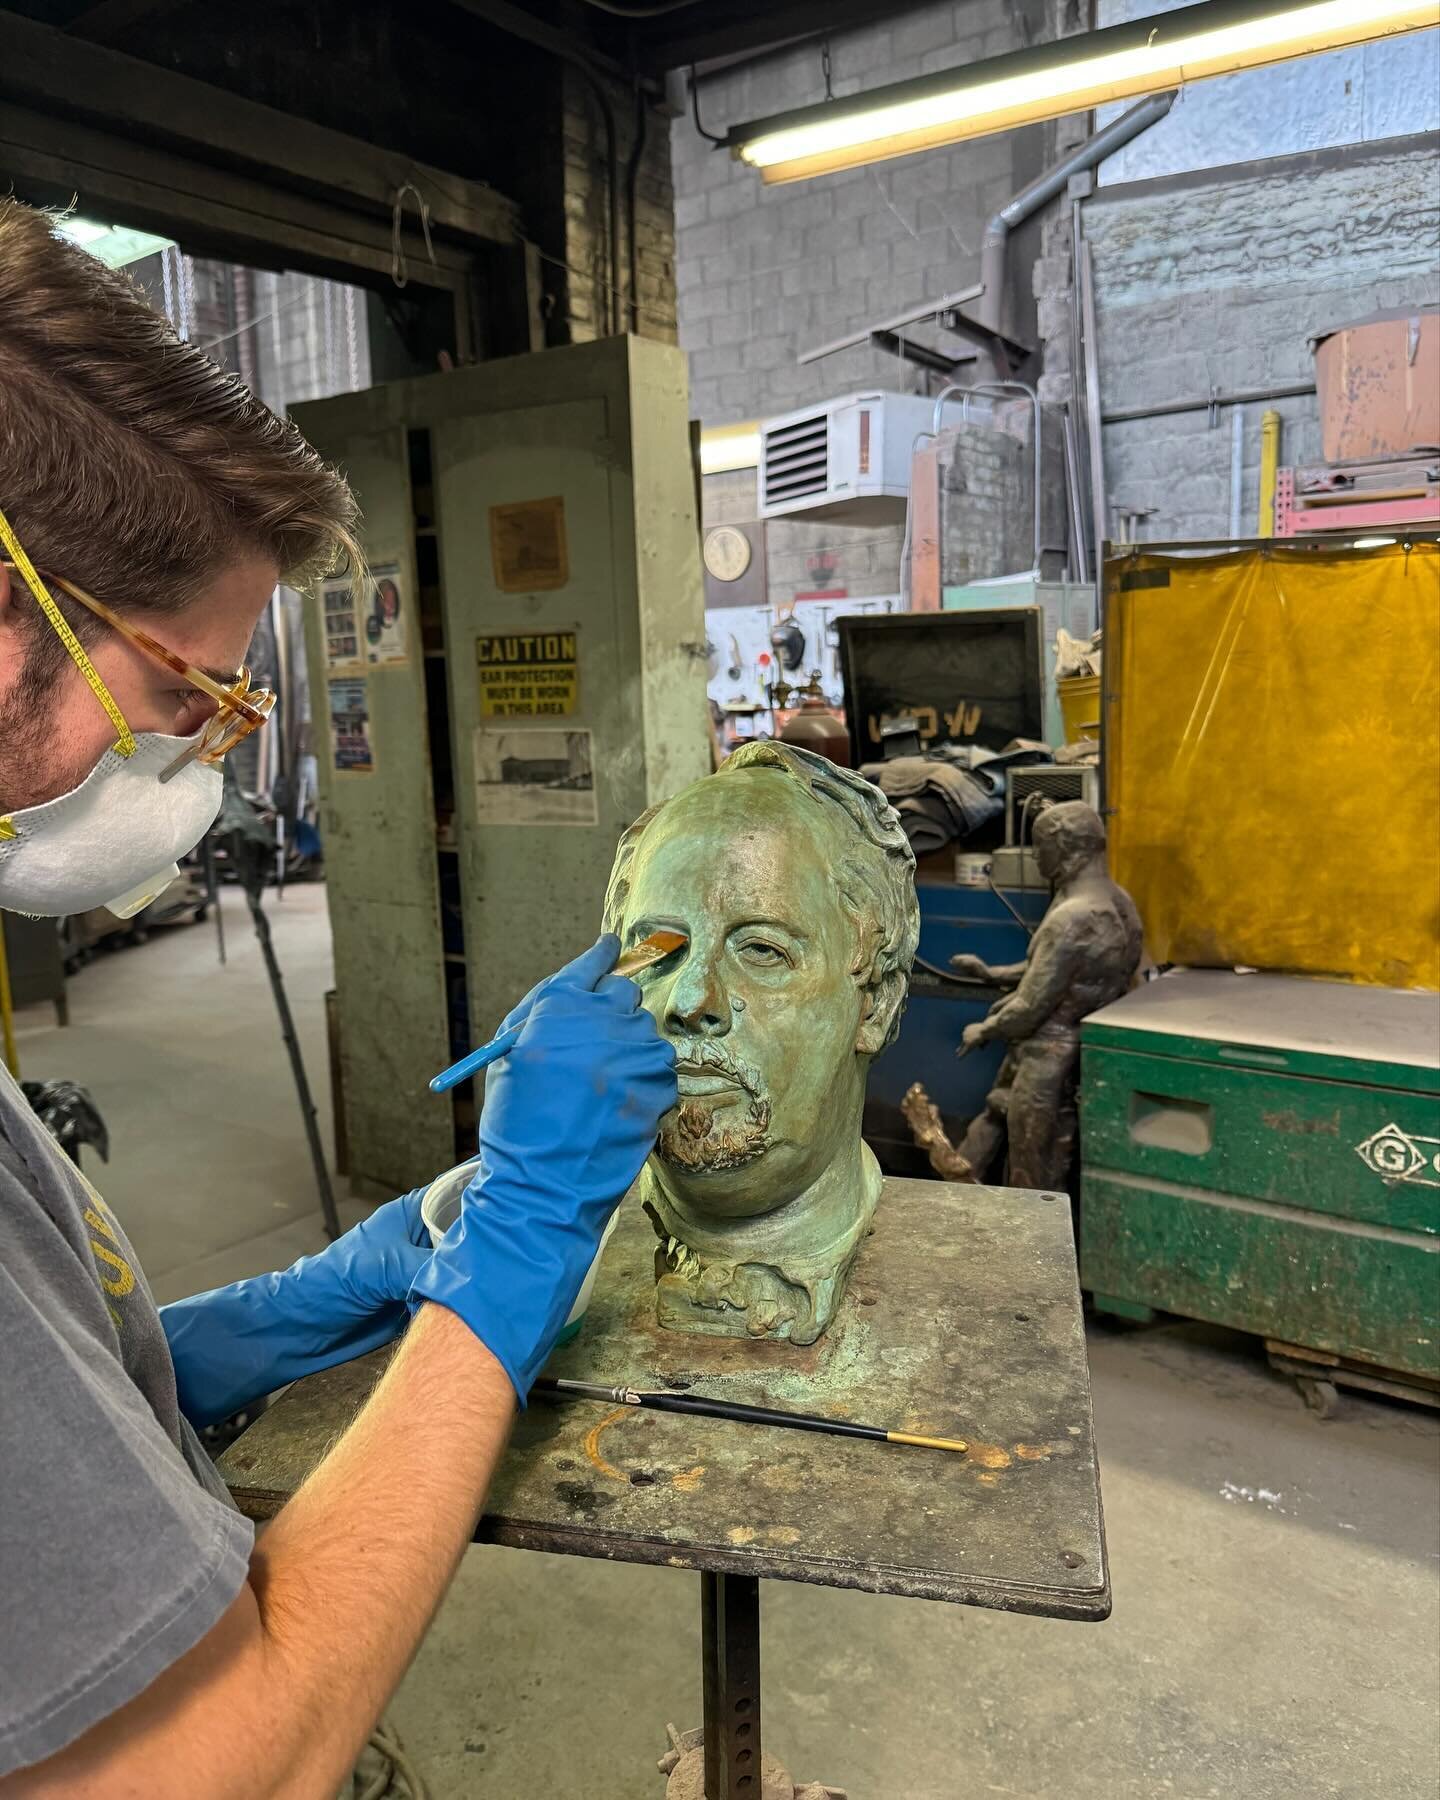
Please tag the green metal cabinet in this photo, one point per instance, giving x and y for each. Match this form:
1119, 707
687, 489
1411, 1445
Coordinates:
540, 506
1263, 1151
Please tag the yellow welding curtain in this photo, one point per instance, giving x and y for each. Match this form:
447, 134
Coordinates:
1272, 757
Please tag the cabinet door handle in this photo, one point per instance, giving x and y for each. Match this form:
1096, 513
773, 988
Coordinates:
1167, 1122
1259, 1059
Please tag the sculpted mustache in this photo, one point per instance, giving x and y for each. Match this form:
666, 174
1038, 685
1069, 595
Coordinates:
705, 1053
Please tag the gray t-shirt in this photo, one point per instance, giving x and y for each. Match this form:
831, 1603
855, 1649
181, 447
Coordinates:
119, 1548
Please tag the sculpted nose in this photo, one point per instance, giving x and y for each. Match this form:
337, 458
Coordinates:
698, 1003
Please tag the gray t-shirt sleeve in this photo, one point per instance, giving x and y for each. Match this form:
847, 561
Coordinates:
114, 1560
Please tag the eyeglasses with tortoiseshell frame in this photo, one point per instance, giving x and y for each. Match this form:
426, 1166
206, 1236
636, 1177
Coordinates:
240, 709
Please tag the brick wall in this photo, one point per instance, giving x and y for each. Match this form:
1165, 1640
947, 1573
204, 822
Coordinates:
589, 279
984, 505
1218, 280
987, 496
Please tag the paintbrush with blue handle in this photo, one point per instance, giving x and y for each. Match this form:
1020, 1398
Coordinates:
643, 955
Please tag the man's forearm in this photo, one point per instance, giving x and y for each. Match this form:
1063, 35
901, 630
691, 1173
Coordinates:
350, 1574
278, 1698
237, 1342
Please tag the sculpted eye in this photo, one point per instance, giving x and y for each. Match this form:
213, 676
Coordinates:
763, 955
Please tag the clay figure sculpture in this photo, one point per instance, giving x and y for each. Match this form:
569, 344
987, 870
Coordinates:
795, 886
1083, 955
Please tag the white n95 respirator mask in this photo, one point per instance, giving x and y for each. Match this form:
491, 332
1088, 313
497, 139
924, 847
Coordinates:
114, 841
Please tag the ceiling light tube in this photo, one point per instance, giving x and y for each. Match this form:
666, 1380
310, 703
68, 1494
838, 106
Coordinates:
726, 447
1216, 37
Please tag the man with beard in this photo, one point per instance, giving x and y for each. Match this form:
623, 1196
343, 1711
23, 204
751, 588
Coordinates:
149, 1644
793, 883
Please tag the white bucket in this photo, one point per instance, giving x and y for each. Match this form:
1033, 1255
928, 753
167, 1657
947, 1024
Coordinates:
440, 1208
972, 868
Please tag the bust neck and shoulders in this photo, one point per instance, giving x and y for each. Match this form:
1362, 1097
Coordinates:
772, 1274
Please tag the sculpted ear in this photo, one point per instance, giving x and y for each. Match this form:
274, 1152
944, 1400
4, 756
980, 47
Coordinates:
879, 1014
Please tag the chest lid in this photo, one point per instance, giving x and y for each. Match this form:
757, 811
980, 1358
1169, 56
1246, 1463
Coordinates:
1284, 1024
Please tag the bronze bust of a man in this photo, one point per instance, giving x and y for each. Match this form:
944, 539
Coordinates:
795, 887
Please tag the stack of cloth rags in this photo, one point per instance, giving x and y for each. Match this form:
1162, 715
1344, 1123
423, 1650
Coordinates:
951, 791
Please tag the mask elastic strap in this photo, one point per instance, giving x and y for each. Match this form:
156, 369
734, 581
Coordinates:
125, 745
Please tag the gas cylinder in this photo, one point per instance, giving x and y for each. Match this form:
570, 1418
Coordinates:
815, 725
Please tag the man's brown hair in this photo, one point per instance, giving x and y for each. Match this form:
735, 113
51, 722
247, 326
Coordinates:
130, 462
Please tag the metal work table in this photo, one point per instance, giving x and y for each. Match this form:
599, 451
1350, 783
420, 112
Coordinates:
962, 1319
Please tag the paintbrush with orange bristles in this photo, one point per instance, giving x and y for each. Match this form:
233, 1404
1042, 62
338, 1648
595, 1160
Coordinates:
701, 1405
648, 951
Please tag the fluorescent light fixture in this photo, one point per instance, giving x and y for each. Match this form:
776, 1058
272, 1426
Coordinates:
1371, 543
1070, 75
724, 447
114, 245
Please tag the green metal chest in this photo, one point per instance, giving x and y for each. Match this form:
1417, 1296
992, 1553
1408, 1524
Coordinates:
1263, 1151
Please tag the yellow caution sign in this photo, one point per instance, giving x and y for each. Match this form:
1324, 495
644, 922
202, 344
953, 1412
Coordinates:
528, 674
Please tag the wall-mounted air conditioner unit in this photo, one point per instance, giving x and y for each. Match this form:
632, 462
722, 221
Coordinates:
848, 459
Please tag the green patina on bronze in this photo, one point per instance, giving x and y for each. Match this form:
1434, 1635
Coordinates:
794, 885
961, 1319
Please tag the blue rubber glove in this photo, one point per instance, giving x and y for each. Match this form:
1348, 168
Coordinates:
570, 1115
236, 1343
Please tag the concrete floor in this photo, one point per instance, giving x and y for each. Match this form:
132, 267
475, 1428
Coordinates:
1277, 1579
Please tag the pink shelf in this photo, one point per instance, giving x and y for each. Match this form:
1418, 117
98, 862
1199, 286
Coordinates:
1334, 513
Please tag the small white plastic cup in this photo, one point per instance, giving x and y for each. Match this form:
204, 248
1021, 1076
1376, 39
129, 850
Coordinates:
440, 1208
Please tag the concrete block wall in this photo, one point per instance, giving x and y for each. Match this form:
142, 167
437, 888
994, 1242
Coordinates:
803, 557
764, 274
1217, 280
1385, 89
1052, 276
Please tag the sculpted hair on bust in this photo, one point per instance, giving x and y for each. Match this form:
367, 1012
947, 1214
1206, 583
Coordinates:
875, 871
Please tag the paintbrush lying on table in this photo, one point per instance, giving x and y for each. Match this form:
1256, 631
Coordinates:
550, 1387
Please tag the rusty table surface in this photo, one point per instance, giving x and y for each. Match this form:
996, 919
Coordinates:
962, 1320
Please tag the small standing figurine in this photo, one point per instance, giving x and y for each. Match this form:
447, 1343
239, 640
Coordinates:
1083, 956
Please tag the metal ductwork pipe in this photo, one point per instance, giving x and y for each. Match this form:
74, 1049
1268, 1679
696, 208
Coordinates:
990, 307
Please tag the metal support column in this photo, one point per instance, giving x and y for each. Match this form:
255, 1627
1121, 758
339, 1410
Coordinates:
730, 1628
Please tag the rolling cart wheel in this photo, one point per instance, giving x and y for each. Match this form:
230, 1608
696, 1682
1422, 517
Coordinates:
1320, 1396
